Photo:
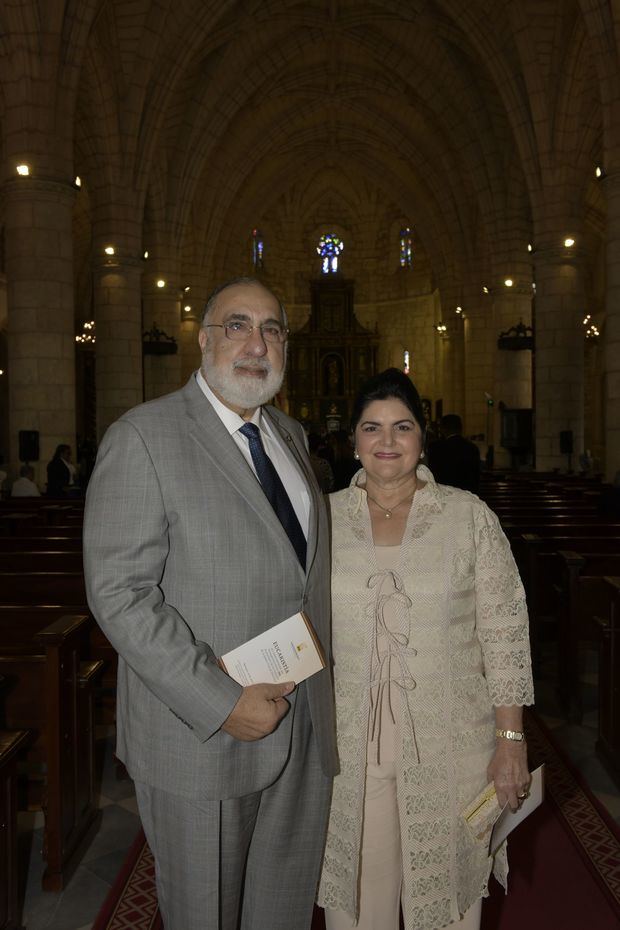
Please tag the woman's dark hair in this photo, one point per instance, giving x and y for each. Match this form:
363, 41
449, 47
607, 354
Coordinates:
63, 447
388, 383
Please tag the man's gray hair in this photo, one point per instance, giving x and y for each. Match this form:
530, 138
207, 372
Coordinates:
245, 280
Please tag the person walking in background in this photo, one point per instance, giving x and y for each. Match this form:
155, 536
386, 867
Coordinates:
453, 459
431, 669
61, 473
205, 526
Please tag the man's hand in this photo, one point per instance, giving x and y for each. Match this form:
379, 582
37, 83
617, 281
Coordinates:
258, 711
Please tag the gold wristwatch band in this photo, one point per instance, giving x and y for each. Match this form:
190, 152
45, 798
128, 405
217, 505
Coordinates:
516, 735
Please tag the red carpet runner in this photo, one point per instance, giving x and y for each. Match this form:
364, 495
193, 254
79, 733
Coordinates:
565, 864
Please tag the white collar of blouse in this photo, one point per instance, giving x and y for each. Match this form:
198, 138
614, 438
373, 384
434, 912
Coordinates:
431, 496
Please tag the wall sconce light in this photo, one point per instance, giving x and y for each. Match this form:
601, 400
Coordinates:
160, 282
459, 310
23, 170
598, 172
145, 254
187, 288
529, 246
189, 313
568, 242
441, 328
109, 250
508, 282
78, 181
485, 289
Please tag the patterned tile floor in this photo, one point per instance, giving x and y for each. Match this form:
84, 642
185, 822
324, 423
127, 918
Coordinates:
77, 906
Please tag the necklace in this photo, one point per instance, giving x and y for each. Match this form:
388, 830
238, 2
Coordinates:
387, 512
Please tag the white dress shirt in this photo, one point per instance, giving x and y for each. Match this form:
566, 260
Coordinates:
283, 462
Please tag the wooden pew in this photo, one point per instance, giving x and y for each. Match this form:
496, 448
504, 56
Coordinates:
521, 515
11, 743
31, 528
540, 567
43, 587
608, 743
514, 529
18, 522
22, 511
39, 543
584, 595
49, 691
18, 620
42, 561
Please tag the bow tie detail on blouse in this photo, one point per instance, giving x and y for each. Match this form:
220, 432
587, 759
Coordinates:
389, 664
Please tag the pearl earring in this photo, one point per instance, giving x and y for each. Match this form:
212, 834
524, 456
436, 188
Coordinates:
356, 455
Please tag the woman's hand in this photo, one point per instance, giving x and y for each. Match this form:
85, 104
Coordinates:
508, 770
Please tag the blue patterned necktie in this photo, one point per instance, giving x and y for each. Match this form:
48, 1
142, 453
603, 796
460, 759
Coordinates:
275, 491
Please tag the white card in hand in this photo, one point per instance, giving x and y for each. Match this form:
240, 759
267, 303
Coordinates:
288, 651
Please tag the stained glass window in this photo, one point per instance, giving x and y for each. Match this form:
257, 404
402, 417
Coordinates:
258, 247
330, 248
406, 248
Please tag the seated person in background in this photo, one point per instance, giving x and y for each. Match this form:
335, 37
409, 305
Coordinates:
453, 459
24, 486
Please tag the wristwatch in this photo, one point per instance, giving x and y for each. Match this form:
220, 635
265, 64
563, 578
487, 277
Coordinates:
517, 735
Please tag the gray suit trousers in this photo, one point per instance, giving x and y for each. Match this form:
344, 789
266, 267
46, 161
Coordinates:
248, 863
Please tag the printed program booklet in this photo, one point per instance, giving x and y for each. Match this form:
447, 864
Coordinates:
289, 651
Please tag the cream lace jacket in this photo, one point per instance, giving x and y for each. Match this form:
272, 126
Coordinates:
464, 643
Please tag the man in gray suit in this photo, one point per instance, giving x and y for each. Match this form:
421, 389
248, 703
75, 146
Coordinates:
186, 558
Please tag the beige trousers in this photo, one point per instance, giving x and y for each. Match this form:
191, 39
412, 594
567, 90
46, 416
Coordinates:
381, 862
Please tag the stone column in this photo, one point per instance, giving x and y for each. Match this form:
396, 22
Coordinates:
479, 350
162, 309
512, 382
40, 294
560, 307
118, 315
612, 328
453, 365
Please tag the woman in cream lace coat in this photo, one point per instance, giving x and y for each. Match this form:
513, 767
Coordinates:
432, 668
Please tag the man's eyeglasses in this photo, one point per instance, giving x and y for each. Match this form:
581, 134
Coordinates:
239, 330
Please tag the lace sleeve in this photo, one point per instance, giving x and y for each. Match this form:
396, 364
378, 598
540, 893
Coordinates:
501, 615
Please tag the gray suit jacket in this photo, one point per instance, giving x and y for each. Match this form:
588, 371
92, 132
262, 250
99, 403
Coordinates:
185, 559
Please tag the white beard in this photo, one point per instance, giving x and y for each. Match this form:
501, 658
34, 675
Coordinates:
237, 389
